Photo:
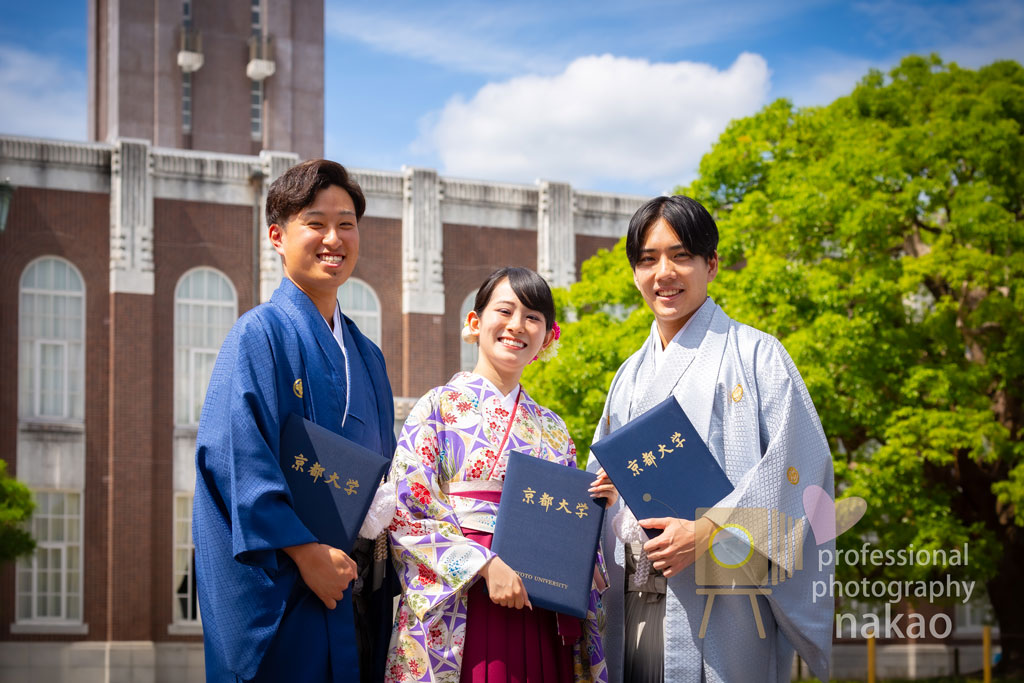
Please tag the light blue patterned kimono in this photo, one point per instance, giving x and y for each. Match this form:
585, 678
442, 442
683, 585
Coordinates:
745, 397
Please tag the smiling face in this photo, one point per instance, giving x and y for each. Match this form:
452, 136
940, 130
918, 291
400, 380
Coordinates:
672, 281
319, 246
510, 336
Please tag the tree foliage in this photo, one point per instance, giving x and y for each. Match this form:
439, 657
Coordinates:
881, 239
16, 506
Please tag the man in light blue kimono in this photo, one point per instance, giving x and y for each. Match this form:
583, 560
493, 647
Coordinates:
277, 605
744, 396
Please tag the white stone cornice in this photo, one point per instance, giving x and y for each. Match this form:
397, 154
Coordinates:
378, 182
211, 177
382, 190
490, 193
211, 166
556, 241
273, 165
55, 164
65, 152
480, 202
422, 242
131, 218
604, 214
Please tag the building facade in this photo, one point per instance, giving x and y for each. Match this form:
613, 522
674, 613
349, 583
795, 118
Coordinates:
125, 265
125, 261
236, 77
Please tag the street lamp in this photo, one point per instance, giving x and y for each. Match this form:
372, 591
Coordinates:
6, 192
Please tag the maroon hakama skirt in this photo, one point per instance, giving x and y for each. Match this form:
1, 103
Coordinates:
505, 645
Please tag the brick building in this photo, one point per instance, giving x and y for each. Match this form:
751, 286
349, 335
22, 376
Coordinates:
125, 261
125, 265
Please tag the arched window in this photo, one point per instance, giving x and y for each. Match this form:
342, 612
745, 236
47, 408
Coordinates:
205, 308
51, 330
467, 352
359, 302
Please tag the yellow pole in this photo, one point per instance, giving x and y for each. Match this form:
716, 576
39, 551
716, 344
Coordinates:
986, 653
871, 657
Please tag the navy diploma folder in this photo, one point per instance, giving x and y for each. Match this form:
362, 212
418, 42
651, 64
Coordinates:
547, 531
660, 465
332, 480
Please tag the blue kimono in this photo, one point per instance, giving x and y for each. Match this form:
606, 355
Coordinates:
259, 618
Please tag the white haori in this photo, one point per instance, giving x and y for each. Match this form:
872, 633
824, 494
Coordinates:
745, 397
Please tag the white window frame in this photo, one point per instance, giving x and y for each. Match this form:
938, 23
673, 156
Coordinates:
374, 334
186, 544
256, 17
33, 410
186, 102
256, 98
194, 408
195, 401
37, 357
33, 619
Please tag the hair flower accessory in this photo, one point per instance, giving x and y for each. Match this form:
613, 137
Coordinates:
552, 349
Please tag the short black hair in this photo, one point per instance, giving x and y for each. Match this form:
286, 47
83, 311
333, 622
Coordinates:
533, 291
296, 189
691, 222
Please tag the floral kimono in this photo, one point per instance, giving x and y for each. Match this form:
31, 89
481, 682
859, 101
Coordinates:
452, 441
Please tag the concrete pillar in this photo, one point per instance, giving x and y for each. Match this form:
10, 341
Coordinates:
130, 454
556, 241
274, 164
423, 300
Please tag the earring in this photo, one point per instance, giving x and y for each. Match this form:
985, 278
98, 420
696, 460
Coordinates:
469, 336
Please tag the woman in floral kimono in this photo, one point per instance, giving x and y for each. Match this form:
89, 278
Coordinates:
448, 471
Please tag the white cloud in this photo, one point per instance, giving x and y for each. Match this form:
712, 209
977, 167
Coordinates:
41, 96
604, 118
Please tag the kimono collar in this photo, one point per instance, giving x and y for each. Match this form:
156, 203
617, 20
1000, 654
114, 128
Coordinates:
487, 388
338, 330
309, 323
660, 353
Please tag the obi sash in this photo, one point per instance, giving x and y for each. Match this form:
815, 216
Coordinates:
475, 503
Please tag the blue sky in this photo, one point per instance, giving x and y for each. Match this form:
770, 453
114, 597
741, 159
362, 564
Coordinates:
613, 96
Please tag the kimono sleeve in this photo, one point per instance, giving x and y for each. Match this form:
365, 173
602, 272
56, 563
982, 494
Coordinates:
795, 455
238, 446
433, 557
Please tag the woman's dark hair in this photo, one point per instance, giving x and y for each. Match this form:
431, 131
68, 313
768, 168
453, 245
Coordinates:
533, 291
691, 222
296, 189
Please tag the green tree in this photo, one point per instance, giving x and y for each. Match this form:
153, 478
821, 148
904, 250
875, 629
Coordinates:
16, 507
881, 239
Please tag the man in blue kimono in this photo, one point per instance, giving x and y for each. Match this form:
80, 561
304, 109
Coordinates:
277, 605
